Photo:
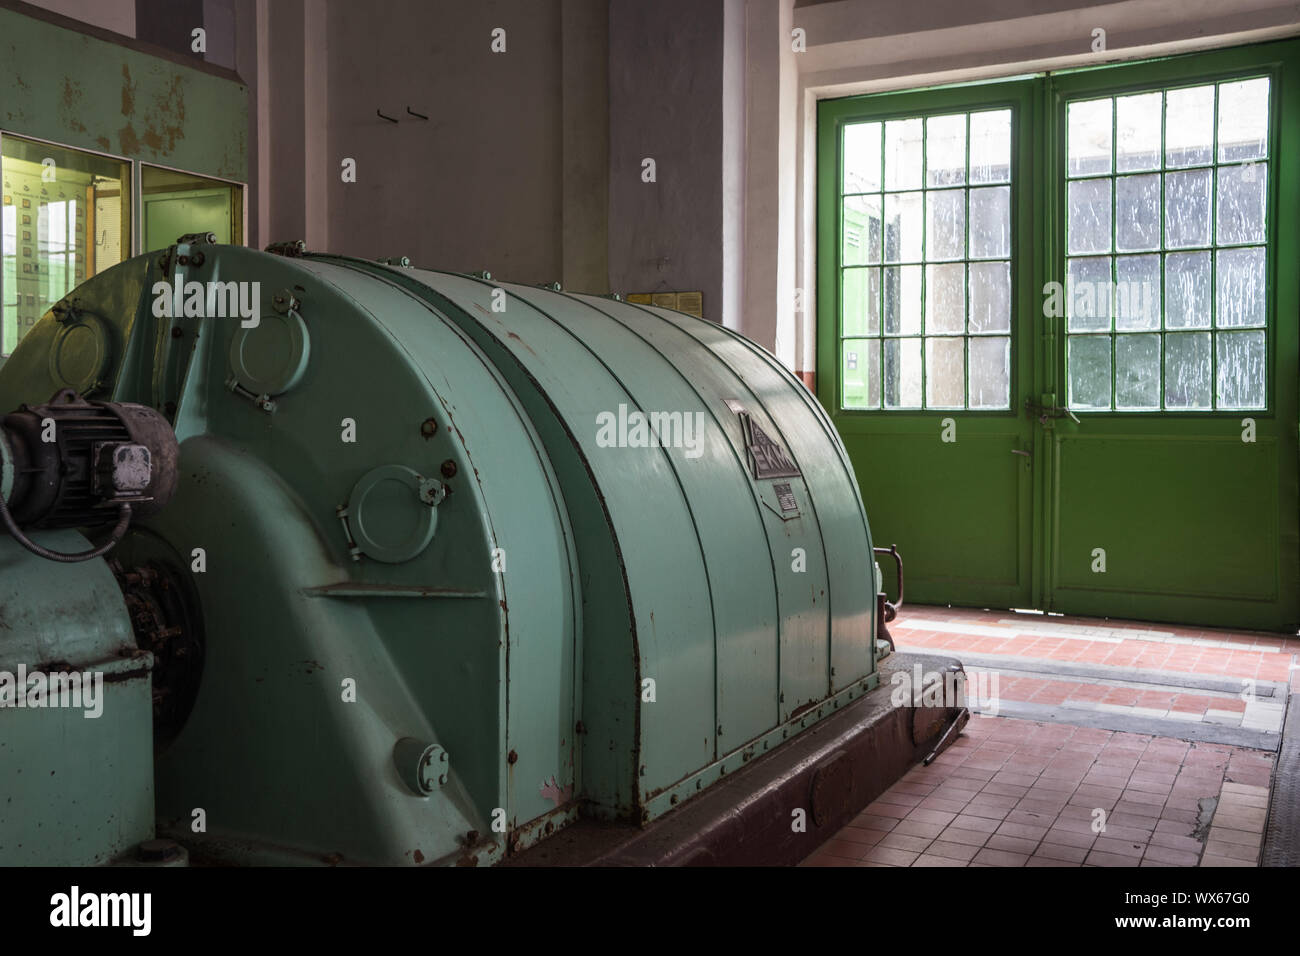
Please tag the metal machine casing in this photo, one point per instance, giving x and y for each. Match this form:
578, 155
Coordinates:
420, 519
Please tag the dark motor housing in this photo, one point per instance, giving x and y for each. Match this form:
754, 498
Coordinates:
103, 454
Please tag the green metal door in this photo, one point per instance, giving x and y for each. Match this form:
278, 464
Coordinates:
1142, 459
1173, 240
927, 310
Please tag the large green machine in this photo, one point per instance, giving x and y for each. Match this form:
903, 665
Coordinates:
451, 563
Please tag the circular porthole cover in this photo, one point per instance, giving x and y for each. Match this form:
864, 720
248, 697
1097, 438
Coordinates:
388, 519
270, 357
80, 353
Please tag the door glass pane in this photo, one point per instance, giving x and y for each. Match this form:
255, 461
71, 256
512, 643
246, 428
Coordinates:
903, 154
1137, 372
903, 227
1089, 143
67, 216
902, 300
1088, 294
1137, 213
860, 372
862, 158
1189, 126
1088, 216
945, 373
990, 222
990, 147
1240, 362
1137, 121
1187, 290
990, 372
945, 298
945, 227
861, 302
1137, 292
863, 234
902, 373
990, 296
1187, 370
176, 204
945, 150
1240, 286
1187, 208
1240, 211
1243, 120
1089, 363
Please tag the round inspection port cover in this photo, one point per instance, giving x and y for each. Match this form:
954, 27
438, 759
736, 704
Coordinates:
270, 357
79, 356
388, 520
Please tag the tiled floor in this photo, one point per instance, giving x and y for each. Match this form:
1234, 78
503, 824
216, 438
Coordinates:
1079, 787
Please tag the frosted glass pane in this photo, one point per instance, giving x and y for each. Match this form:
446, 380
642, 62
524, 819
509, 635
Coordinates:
1187, 290
990, 147
1137, 372
1137, 213
1187, 208
1089, 363
902, 373
1189, 126
945, 373
1088, 294
1243, 120
1187, 370
903, 300
1241, 375
1239, 216
990, 373
903, 154
945, 298
945, 150
1137, 292
990, 222
860, 301
990, 296
945, 228
903, 227
1089, 144
860, 372
862, 231
1239, 287
1088, 216
862, 158
1137, 127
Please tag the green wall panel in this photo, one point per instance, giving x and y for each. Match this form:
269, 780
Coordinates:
83, 91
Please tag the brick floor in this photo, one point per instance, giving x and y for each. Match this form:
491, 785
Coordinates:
1017, 792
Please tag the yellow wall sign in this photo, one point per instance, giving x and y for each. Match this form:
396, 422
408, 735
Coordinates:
692, 303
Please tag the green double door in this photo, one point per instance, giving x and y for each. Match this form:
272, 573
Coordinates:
1057, 330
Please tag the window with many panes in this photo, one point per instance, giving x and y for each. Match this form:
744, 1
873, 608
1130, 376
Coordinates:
1166, 248
925, 265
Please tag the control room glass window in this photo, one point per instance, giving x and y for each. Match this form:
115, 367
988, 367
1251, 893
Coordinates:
925, 264
176, 204
65, 217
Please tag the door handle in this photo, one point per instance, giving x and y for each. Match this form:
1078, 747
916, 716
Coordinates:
1019, 451
1046, 412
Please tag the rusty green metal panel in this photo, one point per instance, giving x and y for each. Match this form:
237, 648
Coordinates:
82, 91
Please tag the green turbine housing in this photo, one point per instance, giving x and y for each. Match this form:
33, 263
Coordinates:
472, 558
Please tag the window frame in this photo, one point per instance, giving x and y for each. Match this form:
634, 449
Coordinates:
1038, 235
1185, 70
1013, 93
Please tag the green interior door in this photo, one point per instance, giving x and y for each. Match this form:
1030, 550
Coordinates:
1174, 496
926, 291
1057, 329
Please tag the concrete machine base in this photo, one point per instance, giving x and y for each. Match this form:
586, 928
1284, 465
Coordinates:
830, 772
